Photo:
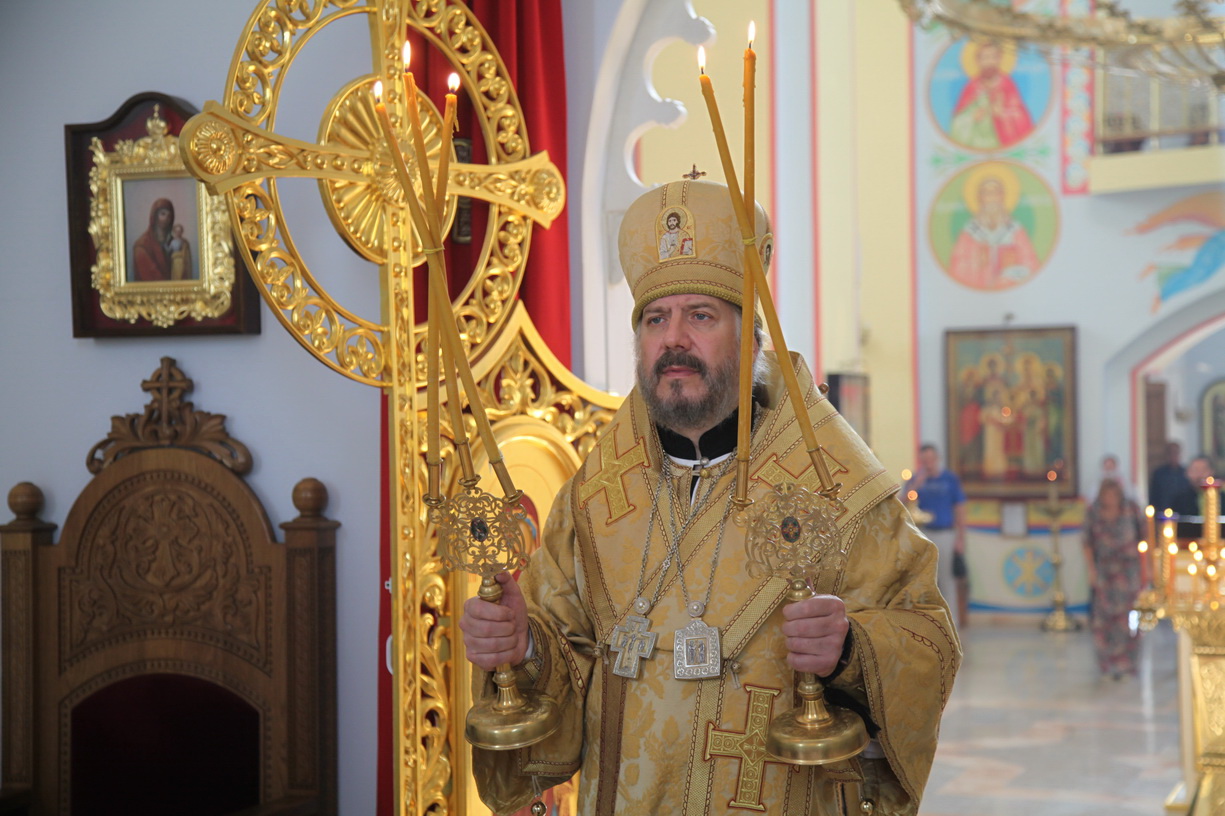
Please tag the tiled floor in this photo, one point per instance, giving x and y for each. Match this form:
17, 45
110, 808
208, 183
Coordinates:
1033, 729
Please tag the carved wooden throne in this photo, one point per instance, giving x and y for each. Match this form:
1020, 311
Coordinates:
168, 655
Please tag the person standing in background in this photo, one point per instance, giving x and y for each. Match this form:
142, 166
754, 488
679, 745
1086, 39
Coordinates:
1169, 479
940, 494
1112, 531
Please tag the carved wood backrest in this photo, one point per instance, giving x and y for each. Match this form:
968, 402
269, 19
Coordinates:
168, 565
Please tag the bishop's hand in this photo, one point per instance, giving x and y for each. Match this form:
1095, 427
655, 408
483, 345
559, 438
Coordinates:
495, 634
816, 629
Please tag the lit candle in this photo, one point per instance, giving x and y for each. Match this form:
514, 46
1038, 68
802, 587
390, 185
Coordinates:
1142, 548
444, 156
418, 141
432, 456
1052, 491
393, 144
748, 296
1171, 552
759, 280
1212, 518
750, 111
1151, 530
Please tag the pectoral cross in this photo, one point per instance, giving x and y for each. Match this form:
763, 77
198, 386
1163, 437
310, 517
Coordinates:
694, 174
632, 641
748, 746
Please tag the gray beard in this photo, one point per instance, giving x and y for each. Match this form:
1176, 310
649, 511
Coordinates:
680, 413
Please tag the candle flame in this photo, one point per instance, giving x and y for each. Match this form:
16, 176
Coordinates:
407, 53
1209, 481
453, 82
1006, 411
1210, 570
906, 474
1168, 513
1149, 511
1193, 546
1142, 547
1051, 475
701, 59
912, 495
1172, 549
378, 90
1191, 569
752, 32
1168, 531
1199, 555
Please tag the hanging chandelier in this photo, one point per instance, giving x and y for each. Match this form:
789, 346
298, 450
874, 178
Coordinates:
1188, 46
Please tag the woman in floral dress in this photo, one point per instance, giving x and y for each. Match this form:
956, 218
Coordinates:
1112, 531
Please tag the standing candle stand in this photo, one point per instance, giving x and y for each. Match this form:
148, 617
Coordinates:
1058, 620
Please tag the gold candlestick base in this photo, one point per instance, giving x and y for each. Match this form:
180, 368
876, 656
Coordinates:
1149, 607
814, 734
1060, 621
514, 719
482, 535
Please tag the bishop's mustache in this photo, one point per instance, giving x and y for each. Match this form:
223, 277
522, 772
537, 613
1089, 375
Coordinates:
679, 358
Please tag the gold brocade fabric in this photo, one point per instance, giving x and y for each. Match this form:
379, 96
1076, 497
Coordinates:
656, 744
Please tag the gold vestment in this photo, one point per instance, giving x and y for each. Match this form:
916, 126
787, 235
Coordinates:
655, 744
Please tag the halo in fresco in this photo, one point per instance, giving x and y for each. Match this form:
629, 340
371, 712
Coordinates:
987, 95
993, 225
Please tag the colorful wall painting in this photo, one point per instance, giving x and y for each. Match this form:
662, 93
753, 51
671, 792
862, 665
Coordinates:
988, 96
1076, 140
1202, 218
993, 226
1212, 424
1011, 410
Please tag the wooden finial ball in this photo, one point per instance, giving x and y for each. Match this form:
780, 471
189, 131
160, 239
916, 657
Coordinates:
310, 497
25, 500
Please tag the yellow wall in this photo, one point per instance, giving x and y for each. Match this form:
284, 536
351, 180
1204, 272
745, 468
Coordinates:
667, 153
885, 209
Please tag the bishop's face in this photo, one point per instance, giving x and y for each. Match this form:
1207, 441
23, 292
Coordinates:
688, 360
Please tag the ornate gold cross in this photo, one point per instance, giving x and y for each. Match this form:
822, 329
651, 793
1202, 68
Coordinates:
611, 474
748, 746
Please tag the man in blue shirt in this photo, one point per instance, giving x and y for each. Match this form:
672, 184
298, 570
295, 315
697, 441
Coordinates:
940, 494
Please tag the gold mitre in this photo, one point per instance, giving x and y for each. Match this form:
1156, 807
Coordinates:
683, 238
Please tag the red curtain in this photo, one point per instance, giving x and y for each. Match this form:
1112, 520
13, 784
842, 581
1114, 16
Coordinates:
529, 36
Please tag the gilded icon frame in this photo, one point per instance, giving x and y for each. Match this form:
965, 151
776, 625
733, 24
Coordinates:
1212, 424
1003, 444
124, 173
